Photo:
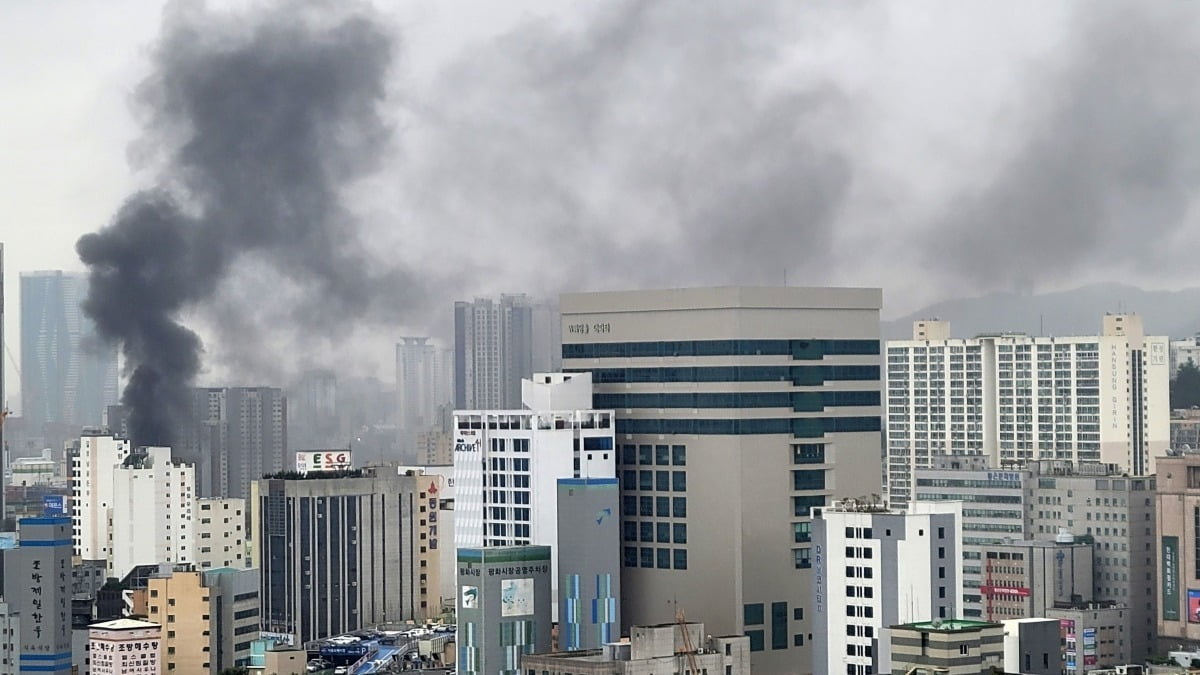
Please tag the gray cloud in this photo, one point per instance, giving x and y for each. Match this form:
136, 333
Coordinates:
1105, 175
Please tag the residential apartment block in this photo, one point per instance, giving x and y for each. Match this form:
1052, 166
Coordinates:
1014, 398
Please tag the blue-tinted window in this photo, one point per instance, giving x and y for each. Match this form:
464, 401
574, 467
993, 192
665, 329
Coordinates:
802, 558
753, 614
629, 480
678, 455
629, 530
631, 556
662, 480
679, 505
597, 443
678, 481
647, 531
801, 506
812, 479
646, 506
802, 532
798, 349
680, 558
662, 455
644, 455
808, 453
664, 558
662, 507
647, 556
680, 533
779, 625
663, 532
629, 506
628, 454
756, 640
646, 480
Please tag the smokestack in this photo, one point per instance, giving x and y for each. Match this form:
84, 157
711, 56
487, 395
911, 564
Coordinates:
257, 121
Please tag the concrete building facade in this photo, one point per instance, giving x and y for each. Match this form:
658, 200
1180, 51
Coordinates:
953, 647
1022, 579
767, 397
1178, 543
37, 586
209, 617
219, 526
92, 471
1093, 637
1016, 398
507, 463
859, 587
125, 647
993, 505
10, 640
666, 648
504, 607
589, 563
1033, 646
152, 508
341, 553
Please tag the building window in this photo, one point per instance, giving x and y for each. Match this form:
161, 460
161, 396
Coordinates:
678, 481
678, 455
752, 614
802, 558
680, 558
647, 531
663, 533
631, 556
756, 640
662, 455
664, 558
680, 532
779, 625
647, 557
679, 505
662, 481
662, 506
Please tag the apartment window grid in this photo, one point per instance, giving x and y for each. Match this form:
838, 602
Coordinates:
506, 496
654, 505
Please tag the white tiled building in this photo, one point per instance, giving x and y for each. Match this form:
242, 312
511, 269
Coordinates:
1015, 398
92, 493
219, 527
875, 568
153, 504
124, 647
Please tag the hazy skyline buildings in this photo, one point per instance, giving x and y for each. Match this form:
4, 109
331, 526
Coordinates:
235, 436
68, 375
424, 377
498, 341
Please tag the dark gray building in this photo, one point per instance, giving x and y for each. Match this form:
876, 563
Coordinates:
504, 607
589, 562
236, 436
346, 552
493, 350
37, 585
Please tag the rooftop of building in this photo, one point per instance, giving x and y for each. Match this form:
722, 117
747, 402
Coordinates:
948, 626
722, 297
124, 624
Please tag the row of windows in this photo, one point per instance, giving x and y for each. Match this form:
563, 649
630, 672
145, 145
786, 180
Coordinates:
661, 507
661, 455
813, 427
797, 349
661, 558
798, 401
797, 375
663, 481
753, 615
663, 533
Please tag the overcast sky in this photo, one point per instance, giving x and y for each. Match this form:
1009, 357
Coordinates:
936, 149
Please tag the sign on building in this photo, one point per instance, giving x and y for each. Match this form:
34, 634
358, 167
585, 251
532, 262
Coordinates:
315, 461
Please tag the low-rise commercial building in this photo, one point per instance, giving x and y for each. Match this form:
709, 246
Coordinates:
1033, 646
953, 647
667, 648
1178, 507
1093, 636
125, 647
1021, 579
504, 607
220, 531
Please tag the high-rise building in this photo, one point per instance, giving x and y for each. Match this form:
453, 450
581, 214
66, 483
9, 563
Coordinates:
92, 472
503, 607
588, 558
342, 553
1178, 543
874, 569
1015, 398
68, 375
507, 462
312, 411
4, 411
493, 350
154, 499
125, 647
766, 397
37, 585
994, 510
423, 380
236, 435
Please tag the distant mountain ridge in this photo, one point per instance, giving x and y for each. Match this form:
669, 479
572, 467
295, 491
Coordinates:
1074, 312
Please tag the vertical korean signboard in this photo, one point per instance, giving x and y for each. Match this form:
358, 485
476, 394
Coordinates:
1170, 578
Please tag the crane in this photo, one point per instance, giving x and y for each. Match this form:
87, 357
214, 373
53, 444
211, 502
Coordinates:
688, 649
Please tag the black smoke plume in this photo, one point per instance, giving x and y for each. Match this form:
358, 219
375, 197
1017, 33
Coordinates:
255, 123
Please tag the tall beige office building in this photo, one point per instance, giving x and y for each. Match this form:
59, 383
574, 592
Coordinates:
1178, 534
738, 411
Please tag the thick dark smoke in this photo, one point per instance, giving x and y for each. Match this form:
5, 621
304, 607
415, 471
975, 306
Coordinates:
257, 122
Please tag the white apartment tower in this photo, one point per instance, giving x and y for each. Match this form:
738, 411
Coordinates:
507, 462
153, 504
874, 568
1014, 398
220, 534
92, 471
